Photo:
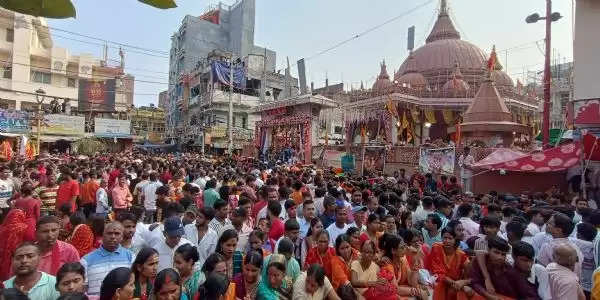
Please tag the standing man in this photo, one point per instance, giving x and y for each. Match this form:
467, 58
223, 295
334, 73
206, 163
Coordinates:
121, 196
562, 278
148, 197
28, 279
464, 162
238, 223
308, 213
109, 256
53, 253
173, 239
7, 187
220, 220
68, 191
211, 195
202, 236
88, 193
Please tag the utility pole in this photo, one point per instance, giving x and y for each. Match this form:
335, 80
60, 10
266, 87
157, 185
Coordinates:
549, 18
230, 123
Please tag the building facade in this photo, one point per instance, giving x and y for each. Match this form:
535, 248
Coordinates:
198, 104
30, 60
148, 124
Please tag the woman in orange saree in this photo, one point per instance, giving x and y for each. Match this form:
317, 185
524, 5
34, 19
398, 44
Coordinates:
340, 264
12, 234
394, 260
448, 263
321, 254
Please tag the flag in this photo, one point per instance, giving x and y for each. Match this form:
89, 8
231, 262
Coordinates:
493, 60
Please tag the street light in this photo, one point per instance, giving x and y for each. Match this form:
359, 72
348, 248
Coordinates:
550, 17
39, 98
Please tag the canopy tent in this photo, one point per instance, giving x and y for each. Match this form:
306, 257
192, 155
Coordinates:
554, 135
550, 160
499, 156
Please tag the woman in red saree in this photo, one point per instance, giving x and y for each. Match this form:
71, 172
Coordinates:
82, 237
31, 207
340, 264
448, 263
394, 260
12, 234
321, 254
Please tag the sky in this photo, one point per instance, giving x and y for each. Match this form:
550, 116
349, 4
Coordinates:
301, 29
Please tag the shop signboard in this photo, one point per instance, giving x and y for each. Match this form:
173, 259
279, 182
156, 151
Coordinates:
62, 125
13, 121
112, 127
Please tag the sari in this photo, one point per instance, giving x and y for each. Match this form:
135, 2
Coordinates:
401, 273
241, 290
82, 239
137, 290
341, 270
12, 233
235, 267
446, 266
267, 292
190, 286
314, 257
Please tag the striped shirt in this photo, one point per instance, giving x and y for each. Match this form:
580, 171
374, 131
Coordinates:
99, 262
48, 197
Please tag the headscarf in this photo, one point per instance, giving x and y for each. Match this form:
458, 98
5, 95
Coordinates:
82, 239
12, 234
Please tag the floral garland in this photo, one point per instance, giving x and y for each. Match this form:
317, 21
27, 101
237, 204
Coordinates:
299, 119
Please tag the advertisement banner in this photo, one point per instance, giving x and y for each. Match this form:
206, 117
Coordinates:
332, 158
97, 94
440, 161
62, 125
12, 121
112, 126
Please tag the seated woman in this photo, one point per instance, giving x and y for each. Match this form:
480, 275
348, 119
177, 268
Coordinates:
448, 263
394, 260
321, 254
275, 285
313, 285
246, 283
364, 270
340, 264
354, 235
414, 241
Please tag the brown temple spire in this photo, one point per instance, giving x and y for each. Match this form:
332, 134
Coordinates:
444, 27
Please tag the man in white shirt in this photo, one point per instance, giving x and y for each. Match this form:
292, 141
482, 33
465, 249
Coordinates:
239, 224
137, 190
7, 187
308, 213
173, 232
148, 196
202, 236
464, 162
426, 208
339, 226
465, 213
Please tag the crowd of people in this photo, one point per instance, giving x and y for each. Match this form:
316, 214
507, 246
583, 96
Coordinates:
184, 227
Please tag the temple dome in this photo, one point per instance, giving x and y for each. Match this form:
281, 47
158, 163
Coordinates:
411, 77
383, 80
443, 49
456, 86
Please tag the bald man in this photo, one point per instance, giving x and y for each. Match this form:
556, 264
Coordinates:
109, 256
563, 282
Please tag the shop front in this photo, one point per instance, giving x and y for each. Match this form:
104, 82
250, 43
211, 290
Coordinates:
116, 134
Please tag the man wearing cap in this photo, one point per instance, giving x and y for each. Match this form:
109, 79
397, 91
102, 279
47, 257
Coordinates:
173, 232
360, 213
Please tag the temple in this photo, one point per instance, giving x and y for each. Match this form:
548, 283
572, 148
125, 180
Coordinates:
431, 93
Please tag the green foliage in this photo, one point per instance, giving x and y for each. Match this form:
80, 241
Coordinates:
162, 4
89, 146
56, 9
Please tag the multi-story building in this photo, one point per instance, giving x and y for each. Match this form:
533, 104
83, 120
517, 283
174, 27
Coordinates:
30, 60
148, 124
197, 104
163, 100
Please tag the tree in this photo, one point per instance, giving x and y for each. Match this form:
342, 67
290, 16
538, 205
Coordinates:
61, 9
89, 146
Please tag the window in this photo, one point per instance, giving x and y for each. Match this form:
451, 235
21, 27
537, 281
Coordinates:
71, 82
7, 72
337, 129
41, 77
10, 35
244, 122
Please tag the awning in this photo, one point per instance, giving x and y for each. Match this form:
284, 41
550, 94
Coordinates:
112, 135
499, 156
551, 160
7, 134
